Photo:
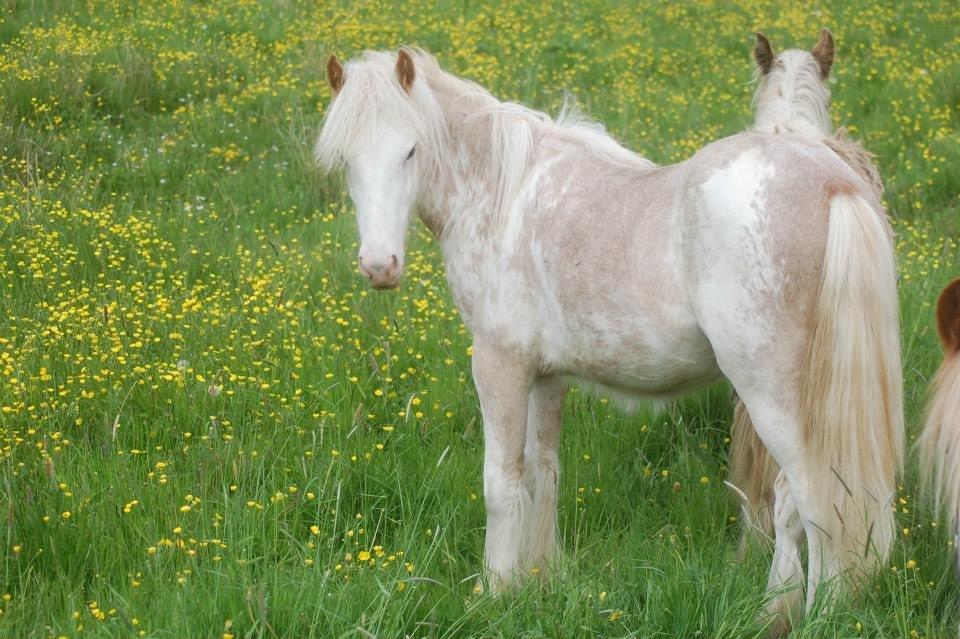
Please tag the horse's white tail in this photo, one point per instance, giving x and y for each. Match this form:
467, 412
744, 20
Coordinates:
941, 436
852, 396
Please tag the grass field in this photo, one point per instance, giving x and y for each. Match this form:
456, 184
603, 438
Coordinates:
209, 427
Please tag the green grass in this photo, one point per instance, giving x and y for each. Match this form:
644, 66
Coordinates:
205, 416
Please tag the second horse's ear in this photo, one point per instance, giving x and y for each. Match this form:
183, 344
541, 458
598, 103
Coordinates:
823, 52
763, 54
334, 74
406, 72
948, 317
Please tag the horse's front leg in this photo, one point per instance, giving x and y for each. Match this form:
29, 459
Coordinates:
503, 380
542, 467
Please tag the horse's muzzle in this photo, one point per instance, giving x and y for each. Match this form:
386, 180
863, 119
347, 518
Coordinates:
383, 275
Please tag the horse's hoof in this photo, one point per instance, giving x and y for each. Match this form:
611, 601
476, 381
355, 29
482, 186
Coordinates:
779, 627
782, 613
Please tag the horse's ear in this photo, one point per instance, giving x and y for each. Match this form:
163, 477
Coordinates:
763, 54
334, 74
405, 70
948, 317
823, 52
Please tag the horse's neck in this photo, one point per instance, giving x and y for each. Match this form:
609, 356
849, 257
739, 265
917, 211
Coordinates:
459, 199
783, 118
785, 109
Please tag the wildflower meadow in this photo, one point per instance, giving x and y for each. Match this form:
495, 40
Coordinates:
210, 426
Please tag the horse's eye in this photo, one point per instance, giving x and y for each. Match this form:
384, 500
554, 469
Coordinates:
410, 154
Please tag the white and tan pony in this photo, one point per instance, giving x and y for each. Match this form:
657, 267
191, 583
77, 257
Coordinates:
792, 99
940, 441
763, 259
793, 96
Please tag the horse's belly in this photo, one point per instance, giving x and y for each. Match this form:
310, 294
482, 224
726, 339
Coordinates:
641, 364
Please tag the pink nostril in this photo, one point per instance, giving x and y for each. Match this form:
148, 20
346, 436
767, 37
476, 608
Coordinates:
382, 274
363, 269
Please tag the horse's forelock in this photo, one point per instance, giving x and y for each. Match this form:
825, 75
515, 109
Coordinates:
372, 96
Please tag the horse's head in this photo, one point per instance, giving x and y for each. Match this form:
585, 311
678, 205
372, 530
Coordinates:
374, 127
948, 318
793, 85
821, 55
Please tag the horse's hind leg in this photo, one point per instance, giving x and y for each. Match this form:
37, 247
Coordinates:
778, 426
765, 379
503, 384
541, 470
801, 484
786, 571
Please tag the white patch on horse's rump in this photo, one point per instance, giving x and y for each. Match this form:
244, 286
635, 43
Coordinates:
743, 273
738, 186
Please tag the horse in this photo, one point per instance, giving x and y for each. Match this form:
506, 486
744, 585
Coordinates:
762, 259
793, 95
941, 434
792, 98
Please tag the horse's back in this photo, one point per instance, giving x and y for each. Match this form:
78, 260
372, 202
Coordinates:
764, 200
